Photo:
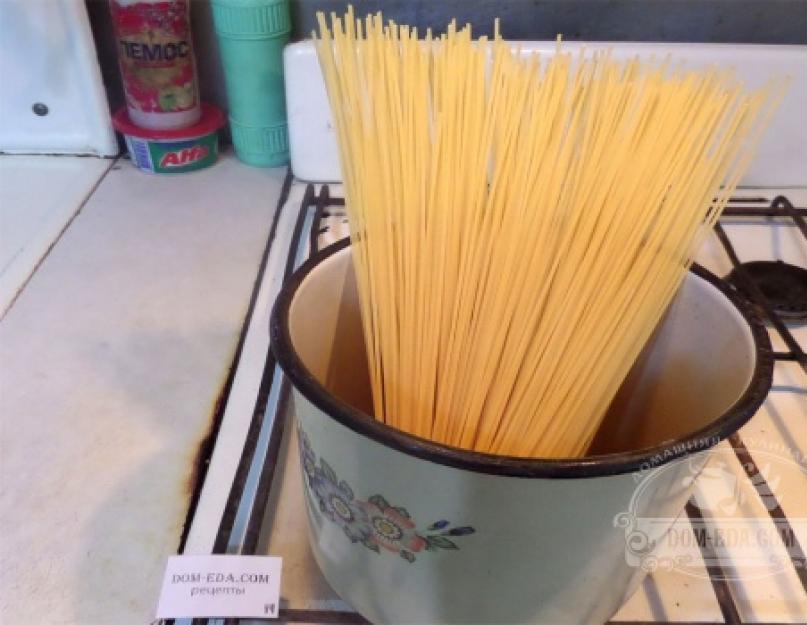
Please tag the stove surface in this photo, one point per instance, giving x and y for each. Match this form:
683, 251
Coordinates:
271, 517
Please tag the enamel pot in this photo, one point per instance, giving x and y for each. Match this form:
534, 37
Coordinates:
410, 531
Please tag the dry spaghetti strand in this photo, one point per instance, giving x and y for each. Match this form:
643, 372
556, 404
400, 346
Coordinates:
520, 224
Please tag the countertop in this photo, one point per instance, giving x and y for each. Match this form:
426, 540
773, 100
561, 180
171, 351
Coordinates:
113, 357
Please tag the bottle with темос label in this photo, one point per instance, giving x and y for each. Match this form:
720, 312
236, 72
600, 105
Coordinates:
155, 51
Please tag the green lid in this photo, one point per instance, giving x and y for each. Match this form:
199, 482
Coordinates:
251, 19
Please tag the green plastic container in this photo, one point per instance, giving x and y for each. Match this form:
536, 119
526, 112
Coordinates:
252, 34
176, 151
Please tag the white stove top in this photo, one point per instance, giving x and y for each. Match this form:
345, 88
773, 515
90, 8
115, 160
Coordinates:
267, 516
769, 591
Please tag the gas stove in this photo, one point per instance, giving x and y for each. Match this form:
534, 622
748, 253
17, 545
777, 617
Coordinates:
737, 555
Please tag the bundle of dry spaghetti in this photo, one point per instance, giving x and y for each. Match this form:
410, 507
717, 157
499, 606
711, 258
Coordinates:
520, 224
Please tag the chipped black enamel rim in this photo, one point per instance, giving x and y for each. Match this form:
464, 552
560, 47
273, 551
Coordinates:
566, 468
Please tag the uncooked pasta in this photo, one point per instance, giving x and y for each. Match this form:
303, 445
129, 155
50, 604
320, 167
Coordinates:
520, 222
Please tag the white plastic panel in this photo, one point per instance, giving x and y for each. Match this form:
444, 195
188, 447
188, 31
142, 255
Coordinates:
47, 56
781, 158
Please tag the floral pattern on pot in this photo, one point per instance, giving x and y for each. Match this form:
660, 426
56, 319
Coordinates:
372, 522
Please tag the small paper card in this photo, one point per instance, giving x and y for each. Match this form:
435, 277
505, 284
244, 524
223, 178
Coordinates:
224, 586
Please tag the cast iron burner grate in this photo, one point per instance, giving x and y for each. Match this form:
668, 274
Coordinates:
784, 286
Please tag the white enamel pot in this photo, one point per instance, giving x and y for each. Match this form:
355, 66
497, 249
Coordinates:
409, 531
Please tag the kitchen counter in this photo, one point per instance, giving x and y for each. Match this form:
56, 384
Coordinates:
113, 358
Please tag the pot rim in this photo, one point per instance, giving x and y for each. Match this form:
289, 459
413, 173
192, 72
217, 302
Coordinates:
514, 466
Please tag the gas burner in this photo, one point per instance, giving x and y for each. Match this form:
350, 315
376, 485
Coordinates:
784, 286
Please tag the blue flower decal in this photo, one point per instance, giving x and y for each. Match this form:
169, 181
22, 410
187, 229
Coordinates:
372, 522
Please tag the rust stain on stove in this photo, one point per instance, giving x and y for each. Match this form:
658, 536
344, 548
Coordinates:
201, 457
192, 487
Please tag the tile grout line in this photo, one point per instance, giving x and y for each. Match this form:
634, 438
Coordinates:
58, 237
